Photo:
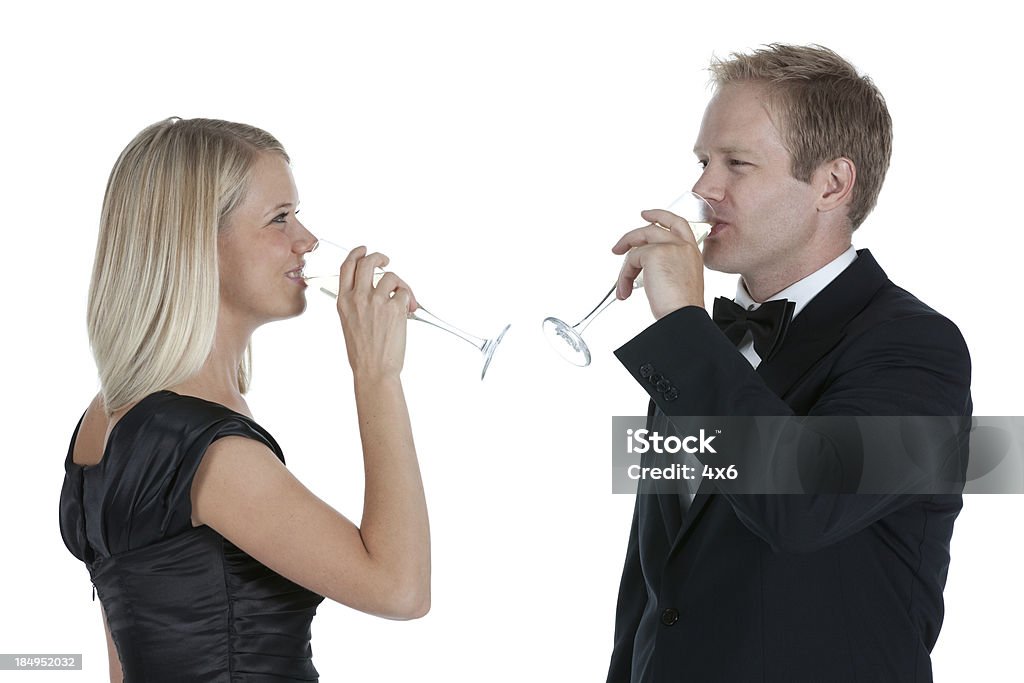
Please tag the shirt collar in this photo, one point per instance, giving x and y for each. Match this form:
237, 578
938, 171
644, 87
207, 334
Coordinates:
802, 291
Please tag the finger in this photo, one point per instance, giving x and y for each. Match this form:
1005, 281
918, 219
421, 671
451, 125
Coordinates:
392, 285
649, 234
403, 298
633, 238
348, 269
413, 304
632, 265
387, 285
669, 221
365, 270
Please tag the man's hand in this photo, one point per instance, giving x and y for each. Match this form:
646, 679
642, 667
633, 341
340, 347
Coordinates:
667, 254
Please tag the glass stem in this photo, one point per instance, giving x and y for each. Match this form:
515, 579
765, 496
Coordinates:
425, 316
589, 318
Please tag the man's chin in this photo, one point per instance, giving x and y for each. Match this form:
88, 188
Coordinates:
716, 262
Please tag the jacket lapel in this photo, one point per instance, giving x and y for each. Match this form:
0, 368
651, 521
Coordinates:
822, 323
817, 330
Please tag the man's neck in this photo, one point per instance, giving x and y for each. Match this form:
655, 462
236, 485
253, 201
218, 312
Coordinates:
762, 287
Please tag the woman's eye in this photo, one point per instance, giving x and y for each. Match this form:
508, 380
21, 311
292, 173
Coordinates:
280, 218
737, 162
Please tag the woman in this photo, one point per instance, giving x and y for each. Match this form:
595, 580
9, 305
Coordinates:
208, 556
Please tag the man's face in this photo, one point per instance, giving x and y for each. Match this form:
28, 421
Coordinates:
766, 217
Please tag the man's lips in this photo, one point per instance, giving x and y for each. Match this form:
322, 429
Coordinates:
717, 228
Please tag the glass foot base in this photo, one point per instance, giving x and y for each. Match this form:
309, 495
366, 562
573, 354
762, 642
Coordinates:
564, 339
489, 347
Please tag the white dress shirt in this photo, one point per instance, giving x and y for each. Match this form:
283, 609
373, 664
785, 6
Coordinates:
800, 293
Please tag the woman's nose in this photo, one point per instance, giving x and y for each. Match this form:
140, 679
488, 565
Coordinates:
305, 240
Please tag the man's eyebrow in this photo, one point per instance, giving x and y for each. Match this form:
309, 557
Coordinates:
742, 151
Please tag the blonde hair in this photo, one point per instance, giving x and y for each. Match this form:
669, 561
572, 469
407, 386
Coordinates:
153, 297
828, 111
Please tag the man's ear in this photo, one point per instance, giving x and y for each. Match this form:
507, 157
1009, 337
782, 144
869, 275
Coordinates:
835, 179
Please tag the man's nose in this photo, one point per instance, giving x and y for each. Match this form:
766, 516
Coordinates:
710, 185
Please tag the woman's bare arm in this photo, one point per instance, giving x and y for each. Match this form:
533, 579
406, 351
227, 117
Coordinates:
243, 491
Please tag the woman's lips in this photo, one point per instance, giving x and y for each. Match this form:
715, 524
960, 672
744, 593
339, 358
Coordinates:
717, 228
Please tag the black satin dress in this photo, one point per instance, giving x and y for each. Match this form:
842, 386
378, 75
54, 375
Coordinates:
182, 602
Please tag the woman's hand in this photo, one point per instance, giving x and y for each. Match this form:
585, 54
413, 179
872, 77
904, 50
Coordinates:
373, 317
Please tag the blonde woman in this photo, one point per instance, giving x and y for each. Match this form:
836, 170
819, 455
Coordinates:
208, 556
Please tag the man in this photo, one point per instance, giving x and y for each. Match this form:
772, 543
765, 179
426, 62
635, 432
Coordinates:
825, 588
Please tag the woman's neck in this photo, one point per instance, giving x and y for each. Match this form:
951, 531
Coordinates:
217, 380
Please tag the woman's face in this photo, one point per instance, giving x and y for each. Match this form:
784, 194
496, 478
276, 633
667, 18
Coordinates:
261, 249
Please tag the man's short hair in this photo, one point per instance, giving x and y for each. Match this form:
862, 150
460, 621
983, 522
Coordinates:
826, 110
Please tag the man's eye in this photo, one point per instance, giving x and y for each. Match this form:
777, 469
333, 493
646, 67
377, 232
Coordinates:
737, 162
703, 163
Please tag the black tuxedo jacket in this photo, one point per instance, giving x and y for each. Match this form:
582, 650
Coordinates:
792, 588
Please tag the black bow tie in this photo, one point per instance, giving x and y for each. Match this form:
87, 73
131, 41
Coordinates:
767, 324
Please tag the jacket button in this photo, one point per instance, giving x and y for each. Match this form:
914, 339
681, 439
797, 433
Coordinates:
655, 378
670, 616
663, 386
646, 369
672, 394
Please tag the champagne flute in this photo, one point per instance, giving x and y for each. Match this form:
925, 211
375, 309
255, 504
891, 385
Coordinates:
567, 339
321, 269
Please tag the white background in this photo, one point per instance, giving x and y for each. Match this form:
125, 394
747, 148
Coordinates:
495, 152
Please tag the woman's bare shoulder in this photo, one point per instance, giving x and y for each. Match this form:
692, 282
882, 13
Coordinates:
92, 435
